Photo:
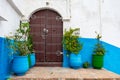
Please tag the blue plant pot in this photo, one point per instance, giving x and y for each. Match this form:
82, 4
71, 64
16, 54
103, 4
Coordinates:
20, 65
75, 61
33, 59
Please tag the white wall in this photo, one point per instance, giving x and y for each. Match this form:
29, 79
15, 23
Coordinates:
11, 16
85, 14
102, 16
29, 6
111, 21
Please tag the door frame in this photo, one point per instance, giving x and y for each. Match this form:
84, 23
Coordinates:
53, 63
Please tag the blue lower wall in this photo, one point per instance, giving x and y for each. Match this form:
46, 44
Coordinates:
5, 59
111, 59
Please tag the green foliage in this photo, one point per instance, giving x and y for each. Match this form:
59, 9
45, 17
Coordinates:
30, 43
99, 49
20, 40
86, 64
70, 41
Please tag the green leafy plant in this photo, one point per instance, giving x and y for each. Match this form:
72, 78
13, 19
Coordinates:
19, 42
86, 64
99, 49
70, 41
30, 43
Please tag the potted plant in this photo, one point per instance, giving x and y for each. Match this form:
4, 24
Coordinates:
86, 64
31, 56
73, 47
20, 49
99, 52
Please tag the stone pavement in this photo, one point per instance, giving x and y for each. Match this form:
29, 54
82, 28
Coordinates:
60, 73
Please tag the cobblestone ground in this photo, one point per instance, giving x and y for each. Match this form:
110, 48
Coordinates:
60, 73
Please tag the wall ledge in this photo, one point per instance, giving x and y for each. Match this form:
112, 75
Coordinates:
2, 18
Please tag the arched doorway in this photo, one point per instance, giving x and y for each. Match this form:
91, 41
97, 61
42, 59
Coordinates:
47, 31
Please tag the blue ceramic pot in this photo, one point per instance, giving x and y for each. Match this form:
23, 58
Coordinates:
32, 59
20, 65
75, 61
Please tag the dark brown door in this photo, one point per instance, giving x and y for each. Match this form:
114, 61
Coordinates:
47, 31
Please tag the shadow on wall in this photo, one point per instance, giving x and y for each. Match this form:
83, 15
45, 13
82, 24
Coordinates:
112, 56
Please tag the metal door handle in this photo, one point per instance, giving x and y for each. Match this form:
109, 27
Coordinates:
44, 34
45, 30
58, 53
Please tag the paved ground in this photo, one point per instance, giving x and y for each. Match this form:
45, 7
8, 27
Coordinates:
60, 73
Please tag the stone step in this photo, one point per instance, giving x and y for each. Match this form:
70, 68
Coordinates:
60, 73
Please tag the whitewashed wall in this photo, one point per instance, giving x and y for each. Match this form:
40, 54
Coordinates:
102, 16
111, 21
85, 14
11, 16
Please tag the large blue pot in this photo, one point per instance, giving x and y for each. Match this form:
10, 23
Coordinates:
75, 61
32, 59
20, 65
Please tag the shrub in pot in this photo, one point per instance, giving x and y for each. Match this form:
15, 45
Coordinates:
31, 56
98, 56
73, 47
20, 49
86, 64
20, 62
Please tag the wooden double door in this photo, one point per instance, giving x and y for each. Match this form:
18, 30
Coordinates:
47, 31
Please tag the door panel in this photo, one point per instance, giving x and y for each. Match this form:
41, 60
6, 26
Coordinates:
47, 31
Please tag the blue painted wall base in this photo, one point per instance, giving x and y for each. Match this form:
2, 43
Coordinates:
5, 60
111, 58
65, 59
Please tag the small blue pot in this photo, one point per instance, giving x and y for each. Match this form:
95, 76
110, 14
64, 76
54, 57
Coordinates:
75, 61
33, 59
20, 65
